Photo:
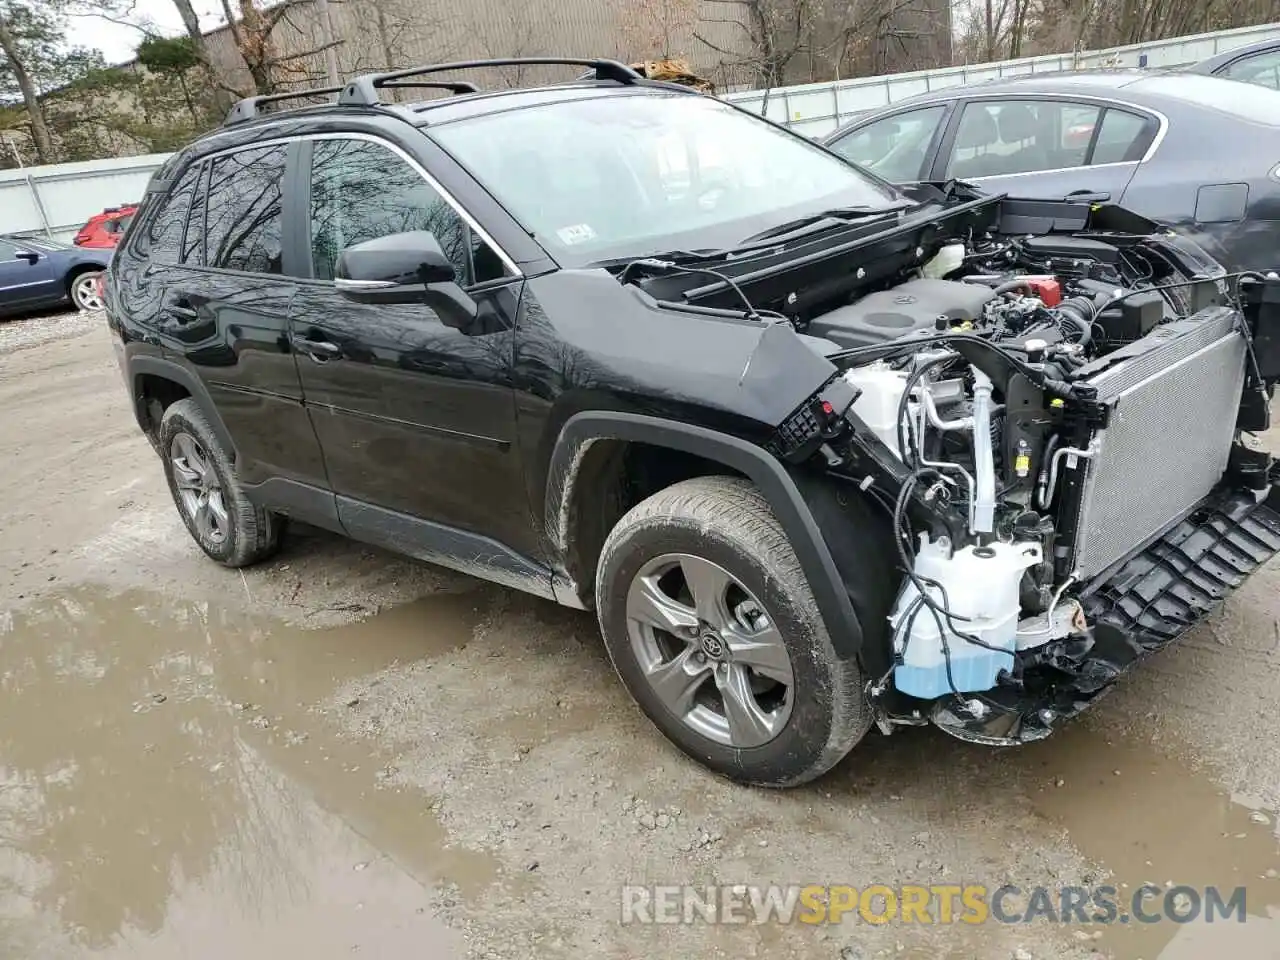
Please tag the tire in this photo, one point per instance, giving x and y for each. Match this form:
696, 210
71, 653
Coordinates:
724, 524
83, 292
209, 498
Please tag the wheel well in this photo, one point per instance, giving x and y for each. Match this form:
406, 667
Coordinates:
154, 395
612, 477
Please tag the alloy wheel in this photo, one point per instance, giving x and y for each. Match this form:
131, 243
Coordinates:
709, 650
85, 292
199, 488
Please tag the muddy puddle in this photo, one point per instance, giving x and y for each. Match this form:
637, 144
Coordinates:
1150, 820
170, 788
166, 791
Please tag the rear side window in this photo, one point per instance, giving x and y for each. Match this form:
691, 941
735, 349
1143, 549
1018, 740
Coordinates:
244, 211
162, 240
999, 138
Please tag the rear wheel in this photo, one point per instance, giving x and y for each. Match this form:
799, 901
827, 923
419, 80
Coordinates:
84, 290
712, 626
210, 500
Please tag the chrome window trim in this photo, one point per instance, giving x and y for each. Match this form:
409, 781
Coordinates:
1161, 119
400, 152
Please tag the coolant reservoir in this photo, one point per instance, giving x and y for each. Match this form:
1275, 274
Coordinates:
949, 259
982, 589
877, 405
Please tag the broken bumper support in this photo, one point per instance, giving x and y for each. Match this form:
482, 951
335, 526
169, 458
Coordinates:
1138, 608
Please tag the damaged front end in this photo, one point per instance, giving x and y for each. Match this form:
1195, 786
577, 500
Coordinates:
1058, 430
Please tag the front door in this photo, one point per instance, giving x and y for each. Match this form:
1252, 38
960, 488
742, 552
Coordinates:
27, 280
413, 404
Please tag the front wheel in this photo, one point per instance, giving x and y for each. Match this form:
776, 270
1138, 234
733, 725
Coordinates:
84, 291
711, 625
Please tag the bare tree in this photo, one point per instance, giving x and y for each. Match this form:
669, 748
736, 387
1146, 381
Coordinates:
253, 31
16, 62
773, 42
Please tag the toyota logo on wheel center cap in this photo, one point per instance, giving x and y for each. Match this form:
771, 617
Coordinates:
712, 646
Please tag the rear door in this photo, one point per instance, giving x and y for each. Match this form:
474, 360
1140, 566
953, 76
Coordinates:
1046, 148
217, 285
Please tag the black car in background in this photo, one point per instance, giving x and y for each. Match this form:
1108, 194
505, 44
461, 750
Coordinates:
1195, 152
1253, 63
40, 273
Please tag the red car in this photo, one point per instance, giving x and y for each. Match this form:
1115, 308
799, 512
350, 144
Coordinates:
106, 228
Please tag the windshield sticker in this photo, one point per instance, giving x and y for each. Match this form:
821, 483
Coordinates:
578, 233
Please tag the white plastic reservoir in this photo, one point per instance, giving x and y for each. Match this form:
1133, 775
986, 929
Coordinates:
982, 597
877, 405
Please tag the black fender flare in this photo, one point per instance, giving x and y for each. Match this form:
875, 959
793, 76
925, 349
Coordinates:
751, 461
169, 370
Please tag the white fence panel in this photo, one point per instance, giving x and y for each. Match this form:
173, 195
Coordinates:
55, 201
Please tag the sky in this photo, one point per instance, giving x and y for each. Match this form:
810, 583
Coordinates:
117, 42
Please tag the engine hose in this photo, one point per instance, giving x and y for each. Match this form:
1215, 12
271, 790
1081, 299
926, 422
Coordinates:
1078, 311
1016, 284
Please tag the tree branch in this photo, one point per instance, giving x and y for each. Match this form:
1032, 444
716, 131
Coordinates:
286, 57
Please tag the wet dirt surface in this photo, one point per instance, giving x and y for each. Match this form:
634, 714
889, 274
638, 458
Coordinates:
343, 753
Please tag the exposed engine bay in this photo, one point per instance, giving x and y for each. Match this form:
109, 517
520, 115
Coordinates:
1046, 419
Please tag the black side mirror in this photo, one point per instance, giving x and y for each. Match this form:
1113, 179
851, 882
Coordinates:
393, 269
28, 255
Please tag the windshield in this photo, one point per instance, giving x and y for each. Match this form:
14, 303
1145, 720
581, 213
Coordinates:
637, 175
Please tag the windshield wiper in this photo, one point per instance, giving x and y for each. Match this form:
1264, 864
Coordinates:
839, 215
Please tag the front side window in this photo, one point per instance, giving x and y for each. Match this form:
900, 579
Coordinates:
362, 190
895, 147
1262, 69
998, 138
244, 215
162, 240
597, 178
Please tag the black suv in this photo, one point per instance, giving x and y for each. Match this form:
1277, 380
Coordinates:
819, 451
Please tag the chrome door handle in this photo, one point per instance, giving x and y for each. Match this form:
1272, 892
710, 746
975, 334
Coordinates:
318, 350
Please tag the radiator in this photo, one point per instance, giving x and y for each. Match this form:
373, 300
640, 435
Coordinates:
1168, 439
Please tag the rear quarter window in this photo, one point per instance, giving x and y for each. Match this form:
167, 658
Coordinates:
161, 240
